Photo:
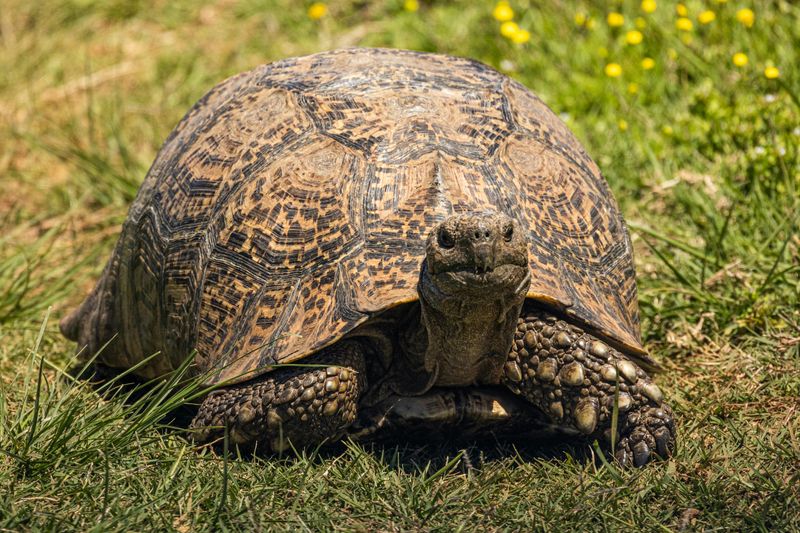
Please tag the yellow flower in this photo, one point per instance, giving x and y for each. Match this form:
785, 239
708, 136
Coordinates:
667, 130
507, 29
411, 5
772, 72
684, 24
746, 17
633, 88
740, 59
317, 10
521, 36
686, 38
648, 63
615, 20
613, 70
681, 10
511, 30
590, 24
640, 23
648, 6
580, 19
706, 17
622, 124
633, 37
503, 12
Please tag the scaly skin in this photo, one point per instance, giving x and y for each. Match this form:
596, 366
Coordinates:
298, 405
565, 372
472, 289
572, 376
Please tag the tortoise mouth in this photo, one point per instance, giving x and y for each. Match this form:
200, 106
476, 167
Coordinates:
505, 278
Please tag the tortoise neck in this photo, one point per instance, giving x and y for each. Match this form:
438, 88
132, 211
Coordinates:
471, 346
462, 338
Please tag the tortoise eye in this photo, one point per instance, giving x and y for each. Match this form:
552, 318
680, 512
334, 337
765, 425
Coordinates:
445, 239
508, 232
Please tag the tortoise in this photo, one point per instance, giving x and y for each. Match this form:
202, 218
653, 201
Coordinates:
370, 239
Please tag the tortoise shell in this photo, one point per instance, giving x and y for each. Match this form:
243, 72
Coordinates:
292, 203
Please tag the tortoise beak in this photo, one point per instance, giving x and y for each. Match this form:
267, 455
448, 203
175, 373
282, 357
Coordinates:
483, 257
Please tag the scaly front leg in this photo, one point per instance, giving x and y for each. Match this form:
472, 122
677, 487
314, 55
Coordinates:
304, 406
573, 377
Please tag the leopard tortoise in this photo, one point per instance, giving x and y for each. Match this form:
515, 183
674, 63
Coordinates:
418, 234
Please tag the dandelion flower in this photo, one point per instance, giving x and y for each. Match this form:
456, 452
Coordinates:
746, 17
580, 18
648, 63
648, 6
615, 20
633, 37
521, 36
667, 130
411, 5
502, 12
317, 10
681, 10
622, 124
772, 72
684, 24
633, 88
640, 23
613, 70
509, 28
740, 59
706, 17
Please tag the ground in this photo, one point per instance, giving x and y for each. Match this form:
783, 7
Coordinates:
691, 111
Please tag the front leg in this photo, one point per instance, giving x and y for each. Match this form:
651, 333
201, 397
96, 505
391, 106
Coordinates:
573, 376
301, 405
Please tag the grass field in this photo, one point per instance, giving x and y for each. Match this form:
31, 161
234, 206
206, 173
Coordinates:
693, 113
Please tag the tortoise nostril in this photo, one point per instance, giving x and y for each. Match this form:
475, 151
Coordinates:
481, 234
508, 233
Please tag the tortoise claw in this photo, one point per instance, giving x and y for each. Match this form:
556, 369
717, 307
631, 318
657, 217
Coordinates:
641, 454
650, 434
663, 442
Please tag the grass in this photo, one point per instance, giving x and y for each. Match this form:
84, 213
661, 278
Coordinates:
703, 157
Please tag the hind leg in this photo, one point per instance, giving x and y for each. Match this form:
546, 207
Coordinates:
577, 379
300, 405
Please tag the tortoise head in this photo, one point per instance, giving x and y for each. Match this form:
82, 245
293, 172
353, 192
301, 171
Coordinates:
472, 286
473, 254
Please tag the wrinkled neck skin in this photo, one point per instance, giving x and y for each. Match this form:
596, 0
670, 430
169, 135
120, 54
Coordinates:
463, 335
